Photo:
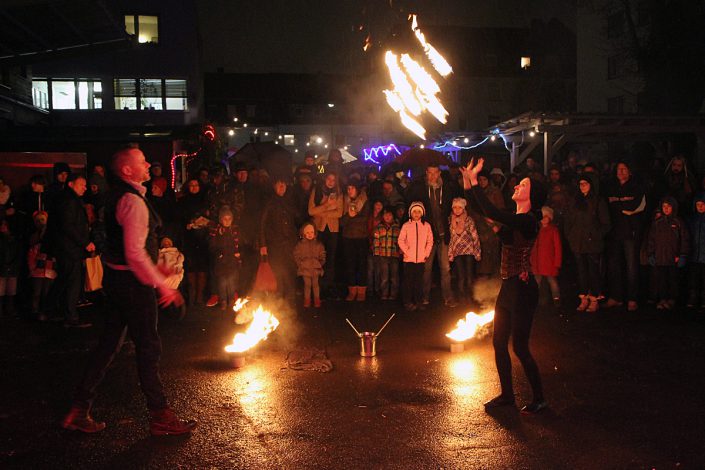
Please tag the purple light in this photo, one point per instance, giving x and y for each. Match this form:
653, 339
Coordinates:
372, 154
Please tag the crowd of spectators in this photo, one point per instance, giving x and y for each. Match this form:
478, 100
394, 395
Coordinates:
352, 232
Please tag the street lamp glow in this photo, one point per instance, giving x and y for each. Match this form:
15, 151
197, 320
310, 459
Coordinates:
532, 133
325, 146
231, 132
319, 140
266, 133
466, 140
422, 146
244, 124
331, 105
235, 119
308, 144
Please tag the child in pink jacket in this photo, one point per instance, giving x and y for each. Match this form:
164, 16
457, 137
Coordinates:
415, 243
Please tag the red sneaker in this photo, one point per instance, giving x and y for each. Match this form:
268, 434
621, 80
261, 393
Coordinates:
166, 423
212, 301
317, 303
79, 419
307, 303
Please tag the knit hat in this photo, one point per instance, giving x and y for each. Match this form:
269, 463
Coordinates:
497, 171
537, 194
417, 205
61, 167
547, 212
459, 201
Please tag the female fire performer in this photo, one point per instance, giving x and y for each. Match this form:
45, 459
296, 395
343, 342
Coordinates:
518, 296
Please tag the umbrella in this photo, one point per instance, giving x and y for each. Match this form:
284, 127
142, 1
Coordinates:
347, 157
421, 158
266, 155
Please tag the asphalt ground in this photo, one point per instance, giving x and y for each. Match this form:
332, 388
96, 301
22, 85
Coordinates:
626, 390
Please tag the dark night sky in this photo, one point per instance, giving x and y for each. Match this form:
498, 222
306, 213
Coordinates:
298, 36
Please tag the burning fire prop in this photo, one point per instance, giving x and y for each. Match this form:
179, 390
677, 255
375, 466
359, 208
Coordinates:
415, 89
472, 326
263, 323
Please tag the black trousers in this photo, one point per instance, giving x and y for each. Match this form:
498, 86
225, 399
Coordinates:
355, 251
413, 283
131, 307
514, 314
67, 288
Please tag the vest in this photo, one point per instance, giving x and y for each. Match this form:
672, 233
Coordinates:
114, 244
516, 258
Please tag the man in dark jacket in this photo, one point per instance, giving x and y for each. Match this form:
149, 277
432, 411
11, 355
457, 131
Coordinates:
437, 196
68, 235
278, 236
626, 200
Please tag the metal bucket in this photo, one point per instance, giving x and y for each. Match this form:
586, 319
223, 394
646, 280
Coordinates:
237, 360
368, 341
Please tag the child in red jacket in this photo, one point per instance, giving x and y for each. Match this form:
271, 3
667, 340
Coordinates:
547, 254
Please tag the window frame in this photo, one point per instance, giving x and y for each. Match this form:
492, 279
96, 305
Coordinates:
136, 26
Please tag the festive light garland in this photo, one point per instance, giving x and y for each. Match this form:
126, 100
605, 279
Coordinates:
174, 156
373, 154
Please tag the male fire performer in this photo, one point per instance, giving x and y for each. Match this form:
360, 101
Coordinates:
130, 280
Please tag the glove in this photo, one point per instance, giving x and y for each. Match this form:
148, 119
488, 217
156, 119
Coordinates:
682, 261
652, 260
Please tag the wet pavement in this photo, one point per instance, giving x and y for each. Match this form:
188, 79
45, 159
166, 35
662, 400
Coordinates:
625, 391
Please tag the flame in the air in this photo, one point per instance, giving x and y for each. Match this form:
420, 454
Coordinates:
414, 88
263, 323
240, 303
470, 326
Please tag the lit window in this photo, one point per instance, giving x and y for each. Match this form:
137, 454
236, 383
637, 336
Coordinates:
289, 139
63, 94
146, 28
175, 93
152, 94
525, 62
125, 92
40, 94
90, 94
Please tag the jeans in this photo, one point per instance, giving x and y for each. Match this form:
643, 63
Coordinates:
552, 284
226, 280
131, 306
440, 251
589, 273
464, 267
621, 253
284, 268
356, 250
330, 242
387, 273
514, 314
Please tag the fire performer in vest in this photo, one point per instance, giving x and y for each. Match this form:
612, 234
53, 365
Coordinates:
518, 296
130, 280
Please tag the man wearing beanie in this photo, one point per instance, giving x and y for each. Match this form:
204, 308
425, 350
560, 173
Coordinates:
518, 296
437, 196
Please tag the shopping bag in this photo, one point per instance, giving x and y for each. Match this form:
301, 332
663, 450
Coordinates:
265, 280
94, 274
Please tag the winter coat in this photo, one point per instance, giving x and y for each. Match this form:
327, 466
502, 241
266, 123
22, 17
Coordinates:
68, 233
465, 243
421, 191
355, 227
547, 253
416, 241
171, 263
224, 247
668, 238
697, 238
586, 224
629, 197
278, 224
9, 255
386, 240
324, 215
310, 257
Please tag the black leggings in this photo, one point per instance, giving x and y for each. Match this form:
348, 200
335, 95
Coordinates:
514, 313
